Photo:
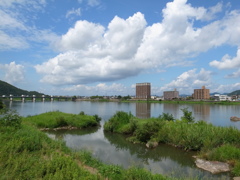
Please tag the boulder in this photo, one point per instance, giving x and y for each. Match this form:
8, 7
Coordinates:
234, 118
151, 144
212, 166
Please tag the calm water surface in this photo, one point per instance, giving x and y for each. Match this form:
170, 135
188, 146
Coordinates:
114, 149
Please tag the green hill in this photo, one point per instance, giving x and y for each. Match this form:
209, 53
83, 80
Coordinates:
237, 92
7, 89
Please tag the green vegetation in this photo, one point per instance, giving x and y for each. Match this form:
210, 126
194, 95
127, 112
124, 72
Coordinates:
212, 142
188, 102
58, 119
7, 89
27, 153
1, 104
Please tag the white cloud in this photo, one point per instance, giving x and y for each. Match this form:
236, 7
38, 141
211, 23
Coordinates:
189, 80
93, 2
15, 31
82, 36
13, 72
91, 53
99, 89
30, 5
234, 74
93, 56
9, 42
228, 88
76, 12
227, 62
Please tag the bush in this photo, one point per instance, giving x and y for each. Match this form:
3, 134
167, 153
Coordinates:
117, 122
166, 117
97, 118
146, 131
61, 122
10, 118
187, 116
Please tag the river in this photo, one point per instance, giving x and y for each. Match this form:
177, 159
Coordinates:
114, 149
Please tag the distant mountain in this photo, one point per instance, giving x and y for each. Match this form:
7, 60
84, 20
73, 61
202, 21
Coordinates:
211, 94
7, 89
237, 92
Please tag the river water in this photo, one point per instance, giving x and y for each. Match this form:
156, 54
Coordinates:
114, 149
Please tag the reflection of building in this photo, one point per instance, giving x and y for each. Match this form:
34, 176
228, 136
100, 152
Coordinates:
168, 95
143, 110
201, 93
143, 90
202, 112
173, 109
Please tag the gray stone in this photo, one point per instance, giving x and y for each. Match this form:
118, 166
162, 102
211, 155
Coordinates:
212, 166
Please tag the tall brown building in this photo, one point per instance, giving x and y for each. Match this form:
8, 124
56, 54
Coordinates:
201, 93
168, 95
143, 90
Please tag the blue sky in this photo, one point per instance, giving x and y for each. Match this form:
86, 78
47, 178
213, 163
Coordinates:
105, 47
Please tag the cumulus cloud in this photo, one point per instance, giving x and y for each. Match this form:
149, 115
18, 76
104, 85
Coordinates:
189, 80
13, 72
227, 62
93, 53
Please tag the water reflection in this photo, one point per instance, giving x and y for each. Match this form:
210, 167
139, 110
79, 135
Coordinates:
171, 109
202, 111
143, 110
114, 149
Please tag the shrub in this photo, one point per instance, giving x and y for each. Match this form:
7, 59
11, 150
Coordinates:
61, 121
97, 118
145, 131
10, 118
117, 122
187, 116
166, 117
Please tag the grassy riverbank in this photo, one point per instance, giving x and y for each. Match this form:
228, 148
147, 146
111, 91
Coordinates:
56, 119
28, 153
213, 143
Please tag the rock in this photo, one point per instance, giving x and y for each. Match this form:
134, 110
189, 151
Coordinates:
234, 118
151, 144
212, 166
236, 178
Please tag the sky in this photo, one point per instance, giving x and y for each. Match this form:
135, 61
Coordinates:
105, 47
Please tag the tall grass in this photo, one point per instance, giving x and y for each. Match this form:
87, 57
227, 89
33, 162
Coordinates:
214, 143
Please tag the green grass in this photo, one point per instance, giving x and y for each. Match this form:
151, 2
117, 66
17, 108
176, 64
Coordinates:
57, 119
28, 153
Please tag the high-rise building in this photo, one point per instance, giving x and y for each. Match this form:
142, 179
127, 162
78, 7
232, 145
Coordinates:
168, 95
201, 93
143, 90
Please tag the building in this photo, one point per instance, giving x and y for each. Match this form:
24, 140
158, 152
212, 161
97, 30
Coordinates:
169, 95
219, 97
143, 91
201, 93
